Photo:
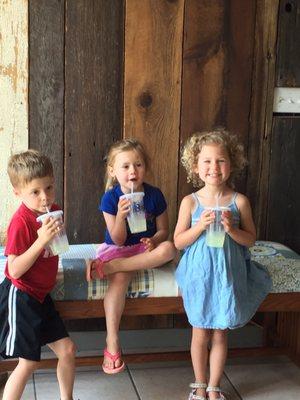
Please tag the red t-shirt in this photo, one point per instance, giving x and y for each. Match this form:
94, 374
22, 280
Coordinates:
40, 279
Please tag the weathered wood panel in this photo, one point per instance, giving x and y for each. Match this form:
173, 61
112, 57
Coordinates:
152, 87
283, 218
261, 113
93, 109
288, 54
217, 68
46, 84
13, 96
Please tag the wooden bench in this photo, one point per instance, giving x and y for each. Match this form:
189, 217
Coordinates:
284, 301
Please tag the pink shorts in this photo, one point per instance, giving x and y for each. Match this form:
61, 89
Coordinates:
107, 252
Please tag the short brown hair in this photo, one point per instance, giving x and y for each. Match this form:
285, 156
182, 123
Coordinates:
25, 166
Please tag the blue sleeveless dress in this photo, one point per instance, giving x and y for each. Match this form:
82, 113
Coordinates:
221, 287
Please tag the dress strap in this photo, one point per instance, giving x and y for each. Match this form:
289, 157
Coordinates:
233, 197
196, 198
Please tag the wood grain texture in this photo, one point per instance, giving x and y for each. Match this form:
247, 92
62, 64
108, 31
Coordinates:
261, 112
80, 309
13, 97
288, 54
46, 84
93, 108
283, 218
217, 68
152, 88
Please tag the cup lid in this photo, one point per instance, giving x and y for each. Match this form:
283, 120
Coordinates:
53, 214
129, 195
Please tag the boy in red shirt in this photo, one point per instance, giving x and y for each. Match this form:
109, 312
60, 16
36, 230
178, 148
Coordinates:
28, 317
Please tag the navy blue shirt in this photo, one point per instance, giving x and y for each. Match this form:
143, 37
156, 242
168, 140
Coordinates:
154, 204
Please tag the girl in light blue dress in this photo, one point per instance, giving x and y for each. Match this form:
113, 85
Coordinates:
221, 287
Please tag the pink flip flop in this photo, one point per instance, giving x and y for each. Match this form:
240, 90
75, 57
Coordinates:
94, 265
114, 358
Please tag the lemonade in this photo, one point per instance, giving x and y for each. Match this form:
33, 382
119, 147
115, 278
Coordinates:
215, 239
59, 244
137, 222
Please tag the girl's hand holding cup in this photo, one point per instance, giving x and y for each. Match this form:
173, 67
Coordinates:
227, 221
123, 207
206, 218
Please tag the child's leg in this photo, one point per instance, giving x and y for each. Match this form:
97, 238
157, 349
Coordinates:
17, 380
199, 353
217, 358
163, 253
114, 302
65, 352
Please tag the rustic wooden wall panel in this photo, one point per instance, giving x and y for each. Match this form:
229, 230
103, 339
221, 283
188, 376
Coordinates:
283, 223
261, 113
202, 74
217, 67
152, 87
13, 97
93, 108
288, 54
46, 84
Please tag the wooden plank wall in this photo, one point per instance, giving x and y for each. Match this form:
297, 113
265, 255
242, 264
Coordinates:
187, 66
152, 87
158, 70
284, 181
217, 71
93, 108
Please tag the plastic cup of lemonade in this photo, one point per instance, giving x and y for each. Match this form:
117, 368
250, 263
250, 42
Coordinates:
59, 244
215, 233
136, 217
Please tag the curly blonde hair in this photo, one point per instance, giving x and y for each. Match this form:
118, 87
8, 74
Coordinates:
117, 148
194, 145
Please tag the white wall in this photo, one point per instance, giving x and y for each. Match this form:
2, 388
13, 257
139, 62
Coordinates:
13, 95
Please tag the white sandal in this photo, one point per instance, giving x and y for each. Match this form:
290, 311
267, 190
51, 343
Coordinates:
194, 386
216, 389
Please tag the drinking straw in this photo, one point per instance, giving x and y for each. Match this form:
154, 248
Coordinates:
217, 207
131, 187
47, 209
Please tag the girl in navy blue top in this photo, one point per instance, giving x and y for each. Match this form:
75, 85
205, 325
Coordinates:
124, 252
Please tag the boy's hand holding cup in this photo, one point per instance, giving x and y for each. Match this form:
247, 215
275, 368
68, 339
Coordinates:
52, 222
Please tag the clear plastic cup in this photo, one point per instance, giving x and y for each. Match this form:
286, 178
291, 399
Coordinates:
215, 233
136, 217
59, 244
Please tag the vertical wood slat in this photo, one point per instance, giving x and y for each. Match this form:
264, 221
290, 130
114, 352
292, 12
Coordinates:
288, 55
46, 84
13, 97
202, 73
261, 112
217, 68
283, 218
152, 87
93, 111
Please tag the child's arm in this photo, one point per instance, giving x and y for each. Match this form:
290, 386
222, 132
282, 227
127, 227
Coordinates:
246, 234
18, 265
116, 224
162, 232
184, 234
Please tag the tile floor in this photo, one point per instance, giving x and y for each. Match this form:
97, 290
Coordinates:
273, 378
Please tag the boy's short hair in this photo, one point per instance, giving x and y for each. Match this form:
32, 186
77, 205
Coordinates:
23, 167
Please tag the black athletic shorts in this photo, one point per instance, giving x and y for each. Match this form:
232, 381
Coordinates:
26, 324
